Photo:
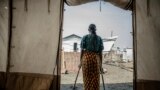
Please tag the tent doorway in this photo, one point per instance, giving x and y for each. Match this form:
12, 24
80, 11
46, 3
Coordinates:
114, 25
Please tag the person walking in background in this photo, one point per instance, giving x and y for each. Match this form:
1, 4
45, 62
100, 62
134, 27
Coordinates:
91, 58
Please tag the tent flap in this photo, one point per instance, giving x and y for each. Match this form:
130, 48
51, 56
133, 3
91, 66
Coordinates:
124, 4
36, 26
148, 37
3, 34
36, 36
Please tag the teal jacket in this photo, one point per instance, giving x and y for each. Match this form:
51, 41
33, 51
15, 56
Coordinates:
92, 43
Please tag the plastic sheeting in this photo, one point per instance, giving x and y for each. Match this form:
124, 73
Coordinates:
125, 4
109, 43
148, 39
34, 44
3, 34
35, 36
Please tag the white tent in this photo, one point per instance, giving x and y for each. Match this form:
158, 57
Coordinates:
109, 43
30, 43
34, 32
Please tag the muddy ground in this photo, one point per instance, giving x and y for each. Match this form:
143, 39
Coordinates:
119, 76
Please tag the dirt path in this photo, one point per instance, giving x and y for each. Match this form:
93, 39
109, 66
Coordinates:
116, 78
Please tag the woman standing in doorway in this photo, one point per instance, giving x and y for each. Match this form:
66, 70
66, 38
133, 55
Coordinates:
91, 58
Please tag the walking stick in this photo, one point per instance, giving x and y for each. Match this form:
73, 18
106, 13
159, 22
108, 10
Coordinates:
101, 71
102, 77
74, 87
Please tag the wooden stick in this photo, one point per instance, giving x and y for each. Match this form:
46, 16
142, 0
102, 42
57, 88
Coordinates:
102, 76
74, 87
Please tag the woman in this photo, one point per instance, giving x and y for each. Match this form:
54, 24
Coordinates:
91, 46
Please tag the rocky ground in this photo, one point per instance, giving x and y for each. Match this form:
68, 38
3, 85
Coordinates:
118, 76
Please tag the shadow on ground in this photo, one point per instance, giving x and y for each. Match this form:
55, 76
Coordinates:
115, 86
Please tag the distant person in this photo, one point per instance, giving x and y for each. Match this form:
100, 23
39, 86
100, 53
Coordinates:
91, 58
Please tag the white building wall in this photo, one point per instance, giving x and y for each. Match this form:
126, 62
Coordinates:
129, 54
69, 44
108, 45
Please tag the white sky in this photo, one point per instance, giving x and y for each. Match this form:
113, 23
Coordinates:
111, 18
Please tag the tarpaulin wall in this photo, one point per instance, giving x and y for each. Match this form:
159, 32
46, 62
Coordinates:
3, 40
3, 34
34, 44
148, 44
124, 4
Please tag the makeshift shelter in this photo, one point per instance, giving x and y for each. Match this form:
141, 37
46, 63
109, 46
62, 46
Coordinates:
30, 42
109, 43
147, 37
33, 36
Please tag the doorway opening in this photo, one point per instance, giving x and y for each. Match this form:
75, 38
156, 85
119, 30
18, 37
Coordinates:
114, 25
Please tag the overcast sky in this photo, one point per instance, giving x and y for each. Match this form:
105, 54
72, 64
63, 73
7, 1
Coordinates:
111, 18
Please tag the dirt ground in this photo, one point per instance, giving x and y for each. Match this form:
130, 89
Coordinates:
118, 76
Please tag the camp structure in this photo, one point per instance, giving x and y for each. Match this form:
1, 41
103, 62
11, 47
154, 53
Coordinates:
71, 43
109, 43
30, 42
30, 32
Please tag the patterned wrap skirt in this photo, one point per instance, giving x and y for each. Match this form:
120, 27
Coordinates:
90, 68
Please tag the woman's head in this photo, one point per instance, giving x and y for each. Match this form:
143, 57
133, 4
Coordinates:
92, 28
